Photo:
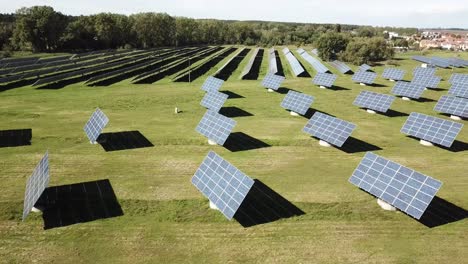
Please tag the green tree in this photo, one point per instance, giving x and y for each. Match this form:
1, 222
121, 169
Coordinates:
367, 50
154, 29
330, 44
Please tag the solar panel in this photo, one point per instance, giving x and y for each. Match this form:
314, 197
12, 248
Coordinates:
216, 127
36, 184
374, 101
429, 81
297, 102
424, 71
456, 106
364, 67
214, 100
459, 89
341, 66
432, 129
330, 129
365, 77
272, 81
422, 59
402, 187
407, 89
212, 84
393, 74
222, 183
318, 66
273, 66
95, 125
324, 79
315, 51
459, 78
295, 65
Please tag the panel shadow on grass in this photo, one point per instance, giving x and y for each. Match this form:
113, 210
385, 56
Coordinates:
457, 146
123, 141
394, 113
279, 64
354, 145
15, 137
239, 141
232, 95
284, 90
441, 212
78, 203
232, 111
338, 88
263, 205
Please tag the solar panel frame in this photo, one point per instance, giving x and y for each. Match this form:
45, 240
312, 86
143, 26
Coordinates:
393, 74
364, 77
374, 101
216, 127
456, 106
316, 64
212, 84
407, 89
340, 66
429, 81
297, 102
96, 123
324, 79
400, 186
459, 90
36, 184
436, 130
222, 183
214, 100
272, 81
330, 129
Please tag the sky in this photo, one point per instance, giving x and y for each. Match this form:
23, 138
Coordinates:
405, 13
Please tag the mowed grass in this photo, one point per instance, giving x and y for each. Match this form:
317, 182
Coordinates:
166, 220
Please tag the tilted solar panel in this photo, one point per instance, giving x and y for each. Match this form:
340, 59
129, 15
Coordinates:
324, 79
36, 184
459, 78
318, 66
393, 74
407, 89
402, 187
459, 89
427, 80
424, 71
216, 127
456, 106
374, 101
273, 66
330, 129
432, 129
214, 100
222, 183
272, 81
295, 65
297, 102
95, 125
340, 66
212, 84
364, 77
364, 67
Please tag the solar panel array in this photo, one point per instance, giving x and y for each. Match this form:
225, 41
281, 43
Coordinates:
214, 100
407, 89
364, 67
452, 105
95, 125
216, 127
272, 81
424, 71
273, 66
458, 78
297, 102
393, 74
222, 183
440, 62
330, 129
365, 77
427, 80
402, 187
295, 65
432, 129
318, 66
324, 79
459, 89
341, 66
36, 185
212, 84
375, 101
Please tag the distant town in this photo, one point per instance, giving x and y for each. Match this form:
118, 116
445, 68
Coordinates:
455, 40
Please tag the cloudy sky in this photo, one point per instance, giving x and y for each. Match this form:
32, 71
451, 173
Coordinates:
411, 13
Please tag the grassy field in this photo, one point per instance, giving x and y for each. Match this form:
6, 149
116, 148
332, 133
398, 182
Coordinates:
166, 220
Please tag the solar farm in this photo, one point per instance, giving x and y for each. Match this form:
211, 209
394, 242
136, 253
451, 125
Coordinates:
218, 154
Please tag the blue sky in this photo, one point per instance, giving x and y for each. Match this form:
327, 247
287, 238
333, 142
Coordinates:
416, 13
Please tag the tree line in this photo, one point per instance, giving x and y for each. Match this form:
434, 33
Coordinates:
42, 29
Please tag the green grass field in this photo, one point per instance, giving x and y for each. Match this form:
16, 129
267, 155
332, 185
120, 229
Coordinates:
167, 220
